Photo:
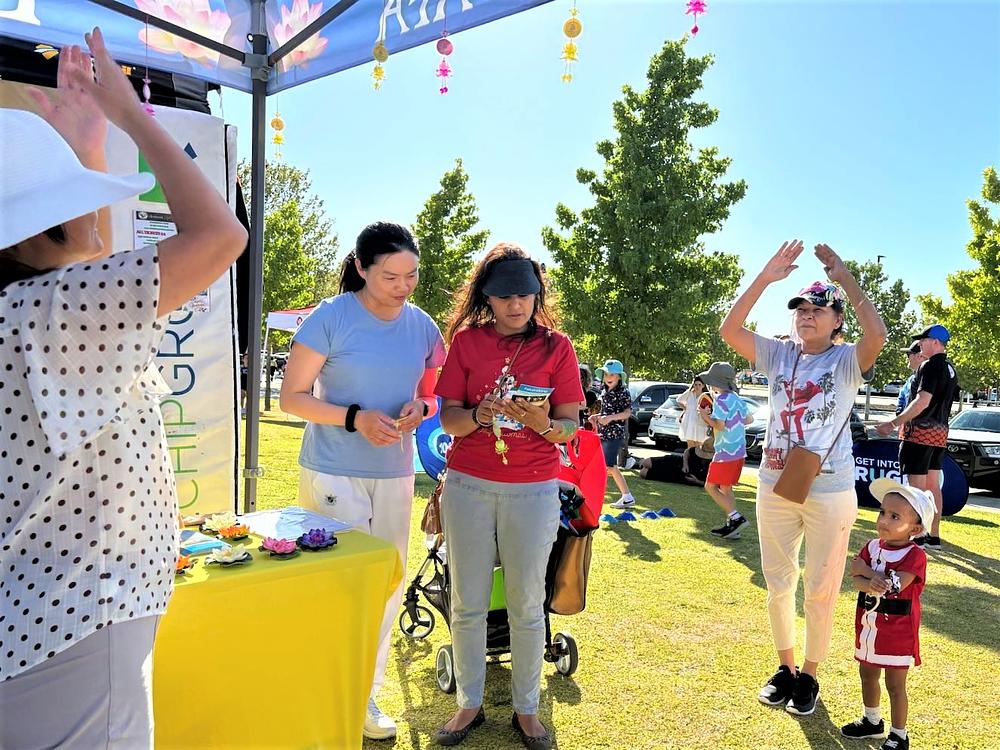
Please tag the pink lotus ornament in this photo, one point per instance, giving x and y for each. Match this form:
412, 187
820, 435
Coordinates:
278, 546
696, 8
443, 72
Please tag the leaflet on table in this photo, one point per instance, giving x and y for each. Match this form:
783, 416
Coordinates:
195, 543
290, 523
532, 393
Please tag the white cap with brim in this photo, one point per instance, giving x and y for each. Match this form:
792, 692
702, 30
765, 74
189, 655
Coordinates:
42, 182
920, 500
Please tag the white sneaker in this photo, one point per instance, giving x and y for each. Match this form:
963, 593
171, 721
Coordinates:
626, 501
630, 463
378, 726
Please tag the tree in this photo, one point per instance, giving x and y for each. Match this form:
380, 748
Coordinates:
283, 184
288, 272
891, 301
447, 243
973, 318
634, 280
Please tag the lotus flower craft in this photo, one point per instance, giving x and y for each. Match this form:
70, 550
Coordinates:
183, 563
237, 531
220, 521
229, 554
278, 546
317, 539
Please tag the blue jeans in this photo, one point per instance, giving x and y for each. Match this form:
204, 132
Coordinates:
519, 522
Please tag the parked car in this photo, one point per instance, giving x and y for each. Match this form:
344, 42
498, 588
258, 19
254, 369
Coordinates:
974, 443
758, 378
755, 431
893, 388
664, 427
647, 395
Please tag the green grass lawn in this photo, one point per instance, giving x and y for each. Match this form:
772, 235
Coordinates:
674, 643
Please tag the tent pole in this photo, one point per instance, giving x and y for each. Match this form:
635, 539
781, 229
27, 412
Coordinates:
252, 471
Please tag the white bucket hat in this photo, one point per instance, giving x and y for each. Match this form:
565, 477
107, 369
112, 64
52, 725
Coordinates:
43, 184
920, 500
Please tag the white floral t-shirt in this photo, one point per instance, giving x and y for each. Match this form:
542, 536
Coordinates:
811, 409
87, 495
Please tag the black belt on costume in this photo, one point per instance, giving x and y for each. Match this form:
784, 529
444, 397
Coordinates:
885, 606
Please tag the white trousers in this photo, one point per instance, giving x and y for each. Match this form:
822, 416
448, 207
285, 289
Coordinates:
824, 521
98, 693
380, 507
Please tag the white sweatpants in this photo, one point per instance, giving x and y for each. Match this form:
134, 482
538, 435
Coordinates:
380, 507
825, 522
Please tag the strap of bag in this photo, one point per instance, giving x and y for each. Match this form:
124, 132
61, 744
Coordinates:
458, 441
791, 398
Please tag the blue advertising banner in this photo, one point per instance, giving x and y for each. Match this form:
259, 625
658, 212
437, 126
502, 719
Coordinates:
348, 40
874, 459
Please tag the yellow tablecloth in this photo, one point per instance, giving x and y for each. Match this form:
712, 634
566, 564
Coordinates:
273, 653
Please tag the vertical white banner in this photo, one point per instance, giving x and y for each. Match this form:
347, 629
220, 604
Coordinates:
197, 356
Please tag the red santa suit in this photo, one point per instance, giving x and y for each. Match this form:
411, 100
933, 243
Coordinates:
887, 628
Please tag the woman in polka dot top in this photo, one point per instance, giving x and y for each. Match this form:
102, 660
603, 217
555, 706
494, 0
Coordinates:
87, 496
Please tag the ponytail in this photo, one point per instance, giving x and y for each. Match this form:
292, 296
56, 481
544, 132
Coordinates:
350, 279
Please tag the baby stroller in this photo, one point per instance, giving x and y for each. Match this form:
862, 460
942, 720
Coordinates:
581, 482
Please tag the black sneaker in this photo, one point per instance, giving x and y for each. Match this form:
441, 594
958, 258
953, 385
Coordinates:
895, 742
932, 542
920, 541
720, 530
863, 729
734, 525
804, 695
778, 690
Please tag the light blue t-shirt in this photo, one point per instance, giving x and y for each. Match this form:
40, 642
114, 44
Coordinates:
371, 362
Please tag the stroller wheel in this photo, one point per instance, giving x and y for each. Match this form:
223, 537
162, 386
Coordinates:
444, 669
418, 624
567, 658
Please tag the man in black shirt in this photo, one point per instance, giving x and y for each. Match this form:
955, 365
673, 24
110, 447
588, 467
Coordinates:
924, 422
691, 467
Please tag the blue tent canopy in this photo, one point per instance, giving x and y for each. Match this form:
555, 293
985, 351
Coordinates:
340, 34
258, 46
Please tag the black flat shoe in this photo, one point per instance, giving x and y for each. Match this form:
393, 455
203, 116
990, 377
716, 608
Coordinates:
532, 743
451, 737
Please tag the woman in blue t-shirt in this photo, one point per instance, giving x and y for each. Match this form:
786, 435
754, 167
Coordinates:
361, 372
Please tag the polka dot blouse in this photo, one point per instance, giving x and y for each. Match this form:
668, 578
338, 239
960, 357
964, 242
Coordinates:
87, 494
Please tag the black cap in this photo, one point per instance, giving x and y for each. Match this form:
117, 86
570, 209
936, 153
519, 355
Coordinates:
913, 348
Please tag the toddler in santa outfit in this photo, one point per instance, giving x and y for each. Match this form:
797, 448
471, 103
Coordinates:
889, 575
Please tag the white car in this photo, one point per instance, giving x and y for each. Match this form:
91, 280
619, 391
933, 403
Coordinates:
893, 388
664, 427
665, 424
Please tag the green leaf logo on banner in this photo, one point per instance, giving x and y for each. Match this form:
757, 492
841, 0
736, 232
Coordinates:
155, 194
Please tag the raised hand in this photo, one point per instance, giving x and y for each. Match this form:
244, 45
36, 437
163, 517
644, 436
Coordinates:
835, 269
106, 84
70, 109
783, 262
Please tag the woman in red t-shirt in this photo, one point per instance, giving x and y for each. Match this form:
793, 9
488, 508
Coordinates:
501, 499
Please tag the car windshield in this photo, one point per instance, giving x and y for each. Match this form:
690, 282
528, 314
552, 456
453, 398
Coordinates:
977, 419
634, 389
670, 403
752, 405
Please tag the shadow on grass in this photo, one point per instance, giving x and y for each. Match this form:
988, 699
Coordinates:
822, 733
971, 521
637, 544
283, 423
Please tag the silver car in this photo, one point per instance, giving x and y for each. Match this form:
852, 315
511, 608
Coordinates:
664, 427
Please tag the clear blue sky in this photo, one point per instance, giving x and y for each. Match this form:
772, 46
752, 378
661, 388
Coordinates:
865, 125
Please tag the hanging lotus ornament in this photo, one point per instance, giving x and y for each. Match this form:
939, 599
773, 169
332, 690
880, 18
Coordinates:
444, 48
572, 28
696, 8
381, 53
278, 139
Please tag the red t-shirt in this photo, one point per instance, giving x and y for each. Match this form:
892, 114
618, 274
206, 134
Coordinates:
475, 359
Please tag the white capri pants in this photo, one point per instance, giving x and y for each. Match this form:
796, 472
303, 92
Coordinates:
824, 521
